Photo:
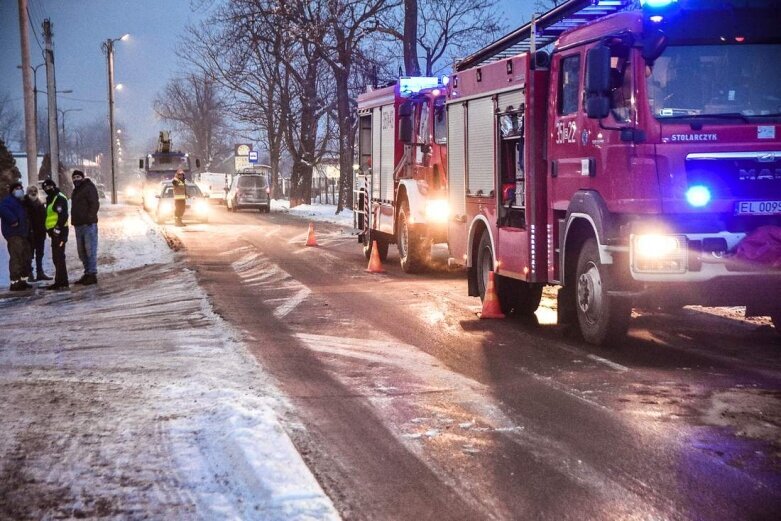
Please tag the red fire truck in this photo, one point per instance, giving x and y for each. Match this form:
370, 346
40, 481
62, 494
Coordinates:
401, 180
636, 162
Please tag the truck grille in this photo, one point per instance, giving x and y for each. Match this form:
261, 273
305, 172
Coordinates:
748, 175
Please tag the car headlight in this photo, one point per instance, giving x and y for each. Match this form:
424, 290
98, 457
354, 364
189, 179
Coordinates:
166, 206
437, 210
131, 191
200, 207
656, 253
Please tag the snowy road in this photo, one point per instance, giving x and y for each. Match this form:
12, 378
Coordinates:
405, 406
133, 400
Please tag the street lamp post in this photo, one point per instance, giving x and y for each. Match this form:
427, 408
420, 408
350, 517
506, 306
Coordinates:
62, 113
108, 48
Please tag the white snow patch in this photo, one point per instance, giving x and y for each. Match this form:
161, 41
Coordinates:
315, 212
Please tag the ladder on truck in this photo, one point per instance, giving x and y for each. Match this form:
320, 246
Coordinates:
543, 30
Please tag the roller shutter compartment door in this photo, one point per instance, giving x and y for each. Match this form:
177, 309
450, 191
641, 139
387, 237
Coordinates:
376, 151
388, 158
480, 143
456, 158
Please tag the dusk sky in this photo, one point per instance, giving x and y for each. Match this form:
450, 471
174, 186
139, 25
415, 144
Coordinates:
143, 64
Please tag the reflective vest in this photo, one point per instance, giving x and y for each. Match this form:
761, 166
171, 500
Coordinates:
51, 216
180, 189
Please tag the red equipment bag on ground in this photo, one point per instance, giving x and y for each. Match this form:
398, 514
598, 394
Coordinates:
762, 246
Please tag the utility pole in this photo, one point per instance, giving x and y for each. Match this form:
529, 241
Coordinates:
108, 48
29, 107
54, 144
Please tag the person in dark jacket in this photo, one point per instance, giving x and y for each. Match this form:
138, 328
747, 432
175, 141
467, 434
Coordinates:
57, 228
84, 217
36, 212
180, 196
16, 230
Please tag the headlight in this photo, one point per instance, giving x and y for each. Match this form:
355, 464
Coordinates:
166, 206
653, 253
200, 207
437, 210
131, 192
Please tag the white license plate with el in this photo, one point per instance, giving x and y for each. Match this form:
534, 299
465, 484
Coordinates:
758, 208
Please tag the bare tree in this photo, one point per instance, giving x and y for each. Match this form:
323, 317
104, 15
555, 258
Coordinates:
10, 118
445, 31
194, 106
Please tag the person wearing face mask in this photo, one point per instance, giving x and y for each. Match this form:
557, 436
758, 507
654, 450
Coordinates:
16, 230
57, 228
180, 196
36, 213
85, 204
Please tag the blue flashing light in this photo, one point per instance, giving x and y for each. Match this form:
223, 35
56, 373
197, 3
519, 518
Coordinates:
445, 80
698, 196
656, 4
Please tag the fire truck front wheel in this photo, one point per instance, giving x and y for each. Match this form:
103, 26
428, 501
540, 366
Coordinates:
602, 318
413, 243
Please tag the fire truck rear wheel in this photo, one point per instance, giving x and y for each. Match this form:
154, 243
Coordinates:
516, 297
602, 318
413, 244
382, 246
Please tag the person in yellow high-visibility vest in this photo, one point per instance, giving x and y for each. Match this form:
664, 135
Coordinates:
57, 228
180, 196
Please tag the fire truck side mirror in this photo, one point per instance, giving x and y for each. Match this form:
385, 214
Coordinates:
406, 110
197, 163
654, 45
598, 82
141, 164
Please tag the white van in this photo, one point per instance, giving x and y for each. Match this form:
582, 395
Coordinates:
213, 185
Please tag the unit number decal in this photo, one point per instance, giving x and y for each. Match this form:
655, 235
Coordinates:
566, 132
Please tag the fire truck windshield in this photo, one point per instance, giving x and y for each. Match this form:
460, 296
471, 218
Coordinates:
168, 162
730, 80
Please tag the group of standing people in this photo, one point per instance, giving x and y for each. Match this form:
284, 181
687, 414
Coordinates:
26, 222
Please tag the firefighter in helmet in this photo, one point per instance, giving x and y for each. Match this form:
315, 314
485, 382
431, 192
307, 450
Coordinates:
180, 196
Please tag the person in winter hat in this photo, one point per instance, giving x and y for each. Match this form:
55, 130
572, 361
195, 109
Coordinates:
57, 228
36, 213
180, 196
85, 204
16, 230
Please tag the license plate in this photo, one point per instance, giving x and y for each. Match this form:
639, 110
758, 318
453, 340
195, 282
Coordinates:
758, 208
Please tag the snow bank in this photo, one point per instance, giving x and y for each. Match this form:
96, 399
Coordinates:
315, 212
133, 399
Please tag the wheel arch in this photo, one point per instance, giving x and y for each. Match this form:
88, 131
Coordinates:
479, 225
587, 216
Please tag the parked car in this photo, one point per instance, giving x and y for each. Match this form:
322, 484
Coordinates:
197, 205
214, 185
249, 190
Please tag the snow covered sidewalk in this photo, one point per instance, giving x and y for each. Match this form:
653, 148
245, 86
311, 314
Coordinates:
132, 399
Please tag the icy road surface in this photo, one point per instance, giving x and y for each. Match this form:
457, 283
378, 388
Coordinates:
132, 399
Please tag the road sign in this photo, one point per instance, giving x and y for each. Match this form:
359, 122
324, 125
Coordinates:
241, 153
253, 157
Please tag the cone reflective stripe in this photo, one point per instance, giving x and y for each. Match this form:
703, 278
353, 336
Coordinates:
375, 265
491, 306
311, 241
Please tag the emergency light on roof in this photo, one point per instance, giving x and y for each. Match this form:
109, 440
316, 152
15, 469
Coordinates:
656, 4
415, 84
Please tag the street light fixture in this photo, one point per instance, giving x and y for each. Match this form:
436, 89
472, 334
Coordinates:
108, 49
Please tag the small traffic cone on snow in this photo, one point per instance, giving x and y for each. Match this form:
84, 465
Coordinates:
311, 241
375, 265
491, 306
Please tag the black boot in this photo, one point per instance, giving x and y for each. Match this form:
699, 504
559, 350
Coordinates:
83, 279
90, 279
42, 276
58, 286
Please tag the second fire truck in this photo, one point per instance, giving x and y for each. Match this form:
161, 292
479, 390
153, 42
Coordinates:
638, 162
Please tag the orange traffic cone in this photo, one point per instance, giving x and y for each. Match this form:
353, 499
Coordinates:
491, 306
375, 265
311, 241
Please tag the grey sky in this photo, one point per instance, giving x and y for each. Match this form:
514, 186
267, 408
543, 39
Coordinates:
143, 64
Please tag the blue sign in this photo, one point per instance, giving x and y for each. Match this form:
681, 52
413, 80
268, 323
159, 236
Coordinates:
253, 157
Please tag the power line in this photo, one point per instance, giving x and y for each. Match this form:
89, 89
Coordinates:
32, 26
84, 100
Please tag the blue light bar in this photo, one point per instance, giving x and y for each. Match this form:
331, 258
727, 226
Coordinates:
415, 84
656, 4
698, 196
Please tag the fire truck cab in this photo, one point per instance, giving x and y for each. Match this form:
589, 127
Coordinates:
401, 178
638, 162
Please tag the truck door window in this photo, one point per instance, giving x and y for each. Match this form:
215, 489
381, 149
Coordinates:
440, 122
621, 98
424, 135
569, 85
